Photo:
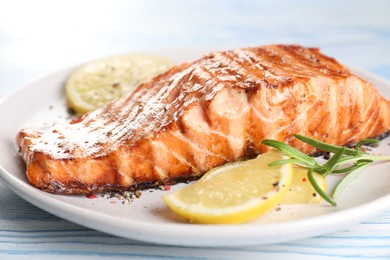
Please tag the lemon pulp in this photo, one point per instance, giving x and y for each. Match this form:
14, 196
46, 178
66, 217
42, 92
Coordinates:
301, 191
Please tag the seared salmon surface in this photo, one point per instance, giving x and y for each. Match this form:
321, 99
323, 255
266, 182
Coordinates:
202, 114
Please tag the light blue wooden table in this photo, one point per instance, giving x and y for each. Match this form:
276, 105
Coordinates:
37, 37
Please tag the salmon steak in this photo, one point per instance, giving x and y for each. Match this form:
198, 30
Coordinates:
202, 114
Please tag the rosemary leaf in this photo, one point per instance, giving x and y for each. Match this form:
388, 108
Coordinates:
364, 142
318, 189
347, 179
290, 151
353, 167
324, 146
331, 164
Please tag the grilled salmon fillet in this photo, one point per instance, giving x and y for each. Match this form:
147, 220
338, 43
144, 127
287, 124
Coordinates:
202, 114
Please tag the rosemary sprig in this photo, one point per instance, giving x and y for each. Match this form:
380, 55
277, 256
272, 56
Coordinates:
344, 160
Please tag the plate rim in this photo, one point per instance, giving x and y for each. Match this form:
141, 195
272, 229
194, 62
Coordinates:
241, 231
46, 201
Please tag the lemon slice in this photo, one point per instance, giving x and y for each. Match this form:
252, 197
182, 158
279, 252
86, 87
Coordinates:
234, 193
96, 83
301, 191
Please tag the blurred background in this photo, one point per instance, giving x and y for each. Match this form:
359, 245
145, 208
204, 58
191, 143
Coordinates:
40, 36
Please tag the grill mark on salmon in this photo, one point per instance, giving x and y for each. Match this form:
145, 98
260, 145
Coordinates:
202, 114
199, 152
166, 150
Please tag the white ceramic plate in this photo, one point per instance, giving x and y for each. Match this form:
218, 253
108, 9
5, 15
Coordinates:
148, 219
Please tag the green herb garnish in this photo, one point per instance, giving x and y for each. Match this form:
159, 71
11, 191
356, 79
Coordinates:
343, 161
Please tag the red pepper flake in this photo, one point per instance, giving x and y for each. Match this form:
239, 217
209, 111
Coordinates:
91, 196
304, 179
167, 187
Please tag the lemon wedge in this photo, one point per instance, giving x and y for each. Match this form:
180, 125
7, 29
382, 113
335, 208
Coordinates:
97, 82
235, 192
301, 191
